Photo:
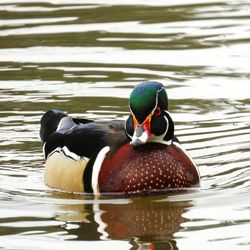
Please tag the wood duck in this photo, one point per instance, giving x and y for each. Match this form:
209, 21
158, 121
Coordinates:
139, 155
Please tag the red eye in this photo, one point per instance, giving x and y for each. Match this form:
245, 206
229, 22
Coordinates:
158, 111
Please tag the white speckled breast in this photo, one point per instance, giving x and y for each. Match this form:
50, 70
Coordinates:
151, 167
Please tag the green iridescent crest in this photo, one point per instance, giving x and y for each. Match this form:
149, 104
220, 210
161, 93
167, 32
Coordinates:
144, 98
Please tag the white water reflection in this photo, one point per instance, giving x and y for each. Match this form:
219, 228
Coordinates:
121, 2
217, 27
16, 8
220, 208
229, 59
22, 22
226, 90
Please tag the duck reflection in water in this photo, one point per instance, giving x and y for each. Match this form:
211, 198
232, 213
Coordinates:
143, 221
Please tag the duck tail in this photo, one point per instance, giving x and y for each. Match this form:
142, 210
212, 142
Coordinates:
49, 123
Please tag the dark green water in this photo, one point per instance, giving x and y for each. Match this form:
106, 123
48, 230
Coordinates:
85, 57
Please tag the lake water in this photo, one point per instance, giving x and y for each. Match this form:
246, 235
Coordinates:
85, 57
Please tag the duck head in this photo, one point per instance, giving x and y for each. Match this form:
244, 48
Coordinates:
149, 120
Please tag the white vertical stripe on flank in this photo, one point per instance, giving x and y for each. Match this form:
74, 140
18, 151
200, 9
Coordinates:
96, 169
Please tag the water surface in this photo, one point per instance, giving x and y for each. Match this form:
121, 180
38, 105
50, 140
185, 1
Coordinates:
85, 57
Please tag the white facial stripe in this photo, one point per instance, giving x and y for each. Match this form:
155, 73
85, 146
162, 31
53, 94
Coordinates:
152, 138
156, 100
166, 122
156, 103
159, 138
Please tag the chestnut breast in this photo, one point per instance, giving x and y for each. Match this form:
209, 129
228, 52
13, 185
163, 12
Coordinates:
152, 166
